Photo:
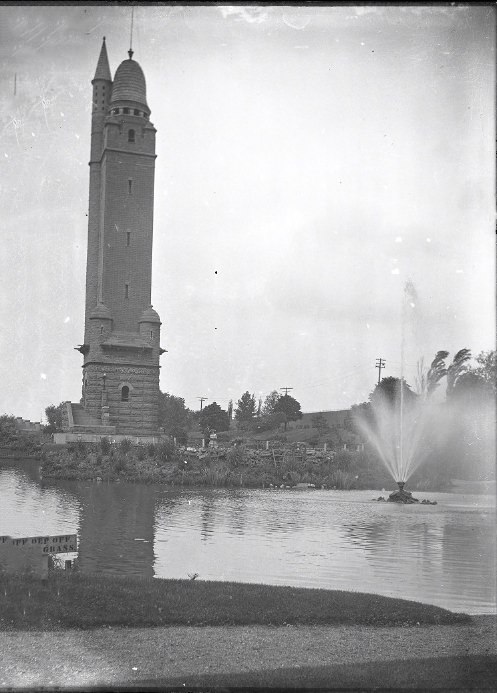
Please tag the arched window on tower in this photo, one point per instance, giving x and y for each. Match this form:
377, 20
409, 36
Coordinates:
125, 393
131, 135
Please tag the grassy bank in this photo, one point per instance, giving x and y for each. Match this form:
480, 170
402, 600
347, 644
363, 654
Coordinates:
71, 600
230, 466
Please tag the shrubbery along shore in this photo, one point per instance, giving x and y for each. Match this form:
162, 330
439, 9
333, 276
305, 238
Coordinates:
232, 466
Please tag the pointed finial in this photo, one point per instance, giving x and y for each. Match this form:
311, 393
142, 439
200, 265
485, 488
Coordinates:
130, 52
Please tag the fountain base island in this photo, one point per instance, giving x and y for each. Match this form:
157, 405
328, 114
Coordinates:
403, 496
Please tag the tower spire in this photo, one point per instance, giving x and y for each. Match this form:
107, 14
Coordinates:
103, 69
130, 52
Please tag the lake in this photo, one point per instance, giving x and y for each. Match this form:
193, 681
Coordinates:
443, 554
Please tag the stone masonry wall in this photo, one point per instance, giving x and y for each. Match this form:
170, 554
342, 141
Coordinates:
138, 416
127, 203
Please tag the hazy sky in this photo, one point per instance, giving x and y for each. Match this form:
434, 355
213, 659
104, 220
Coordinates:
310, 162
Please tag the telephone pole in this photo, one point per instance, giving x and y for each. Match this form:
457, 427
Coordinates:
286, 389
380, 363
202, 400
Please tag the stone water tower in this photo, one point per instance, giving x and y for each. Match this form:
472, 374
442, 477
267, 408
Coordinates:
122, 330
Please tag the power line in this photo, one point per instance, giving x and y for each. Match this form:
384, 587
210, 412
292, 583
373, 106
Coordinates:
336, 378
202, 400
380, 363
286, 389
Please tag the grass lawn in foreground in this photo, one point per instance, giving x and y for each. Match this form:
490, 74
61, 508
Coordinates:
72, 600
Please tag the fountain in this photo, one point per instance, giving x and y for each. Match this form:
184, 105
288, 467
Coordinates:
395, 421
402, 496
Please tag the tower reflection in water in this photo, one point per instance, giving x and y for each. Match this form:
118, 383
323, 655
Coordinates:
116, 532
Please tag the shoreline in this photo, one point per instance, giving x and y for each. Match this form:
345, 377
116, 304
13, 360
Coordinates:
211, 470
230, 467
73, 600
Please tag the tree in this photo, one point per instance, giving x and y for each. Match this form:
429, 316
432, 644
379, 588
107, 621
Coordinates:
245, 410
12, 436
456, 369
358, 413
270, 402
487, 367
436, 372
9, 433
270, 422
259, 407
288, 406
54, 418
471, 413
472, 389
173, 416
390, 389
213, 418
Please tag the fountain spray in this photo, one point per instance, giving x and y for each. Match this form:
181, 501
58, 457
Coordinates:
409, 299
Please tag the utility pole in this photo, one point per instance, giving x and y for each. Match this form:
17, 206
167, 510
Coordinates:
380, 363
286, 389
202, 400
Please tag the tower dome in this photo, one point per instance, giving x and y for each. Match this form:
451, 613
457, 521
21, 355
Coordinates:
129, 84
149, 315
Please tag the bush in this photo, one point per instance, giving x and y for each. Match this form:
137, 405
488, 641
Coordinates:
181, 435
119, 464
344, 459
78, 449
125, 445
105, 446
236, 456
165, 450
151, 450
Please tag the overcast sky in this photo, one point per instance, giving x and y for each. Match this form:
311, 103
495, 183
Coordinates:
310, 162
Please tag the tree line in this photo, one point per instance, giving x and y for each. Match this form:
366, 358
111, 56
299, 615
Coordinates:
176, 420
460, 435
249, 415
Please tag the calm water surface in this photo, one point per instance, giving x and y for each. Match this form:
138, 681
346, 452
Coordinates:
443, 554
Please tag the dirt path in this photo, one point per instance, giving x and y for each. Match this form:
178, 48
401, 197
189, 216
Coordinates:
329, 656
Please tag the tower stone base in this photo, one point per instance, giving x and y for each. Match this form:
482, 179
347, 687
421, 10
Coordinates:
133, 413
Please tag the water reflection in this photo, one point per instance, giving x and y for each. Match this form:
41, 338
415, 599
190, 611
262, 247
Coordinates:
441, 554
116, 528
207, 515
428, 547
29, 507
